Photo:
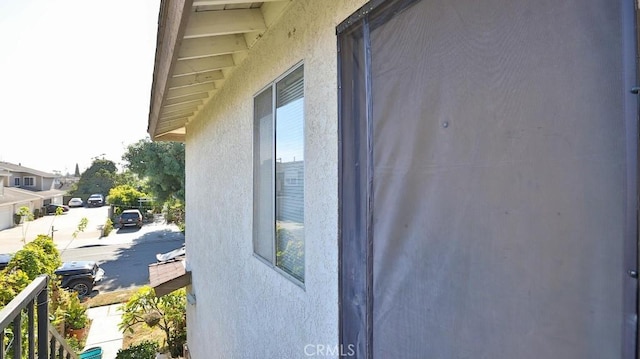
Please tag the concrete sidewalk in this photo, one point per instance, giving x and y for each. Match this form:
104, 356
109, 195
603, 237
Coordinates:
104, 331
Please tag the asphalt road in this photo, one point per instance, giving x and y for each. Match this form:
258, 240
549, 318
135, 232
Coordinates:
124, 254
126, 264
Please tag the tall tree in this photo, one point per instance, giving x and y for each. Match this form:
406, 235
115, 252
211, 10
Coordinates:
77, 173
98, 178
161, 164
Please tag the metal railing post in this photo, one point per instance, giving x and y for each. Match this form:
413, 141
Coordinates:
43, 321
31, 349
17, 336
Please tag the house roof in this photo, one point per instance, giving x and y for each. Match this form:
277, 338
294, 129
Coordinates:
19, 168
15, 195
199, 43
166, 277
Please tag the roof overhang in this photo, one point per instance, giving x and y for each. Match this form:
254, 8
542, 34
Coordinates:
166, 277
199, 43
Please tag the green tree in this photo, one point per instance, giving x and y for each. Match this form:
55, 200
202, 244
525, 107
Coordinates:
98, 178
25, 215
77, 172
127, 177
161, 165
125, 196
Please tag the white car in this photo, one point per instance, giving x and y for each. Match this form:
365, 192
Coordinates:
75, 202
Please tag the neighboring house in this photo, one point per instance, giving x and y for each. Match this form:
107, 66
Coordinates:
23, 186
459, 177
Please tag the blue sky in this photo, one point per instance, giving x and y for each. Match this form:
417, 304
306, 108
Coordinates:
75, 79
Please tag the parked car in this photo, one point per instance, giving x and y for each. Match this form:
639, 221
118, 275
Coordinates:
53, 208
77, 276
75, 202
80, 276
95, 200
131, 217
4, 260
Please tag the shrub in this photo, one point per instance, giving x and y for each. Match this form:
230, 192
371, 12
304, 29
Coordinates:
76, 313
76, 344
143, 350
37, 257
168, 312
125, 195
108, 227
11, 283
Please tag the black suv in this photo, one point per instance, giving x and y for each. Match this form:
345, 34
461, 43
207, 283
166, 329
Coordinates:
78, 276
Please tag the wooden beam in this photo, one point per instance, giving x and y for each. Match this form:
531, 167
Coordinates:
183, 99
192, 66
190, 105
211, 46
195, 79
215, 23
183, 111
184, 91
168, 108
224, 2
170, 137
171, 123
162, 128
164, 119
175, 126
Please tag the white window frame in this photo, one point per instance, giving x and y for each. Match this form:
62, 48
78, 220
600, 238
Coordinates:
26, 182
272, 261
16, 181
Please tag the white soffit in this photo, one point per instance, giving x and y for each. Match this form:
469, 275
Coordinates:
210, 38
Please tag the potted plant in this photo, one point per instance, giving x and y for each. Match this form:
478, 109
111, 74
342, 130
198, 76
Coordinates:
76, 320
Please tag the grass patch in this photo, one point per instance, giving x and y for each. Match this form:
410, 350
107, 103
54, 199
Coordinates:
142, 332
108, 298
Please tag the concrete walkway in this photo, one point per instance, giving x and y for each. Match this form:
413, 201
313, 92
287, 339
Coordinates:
104, 331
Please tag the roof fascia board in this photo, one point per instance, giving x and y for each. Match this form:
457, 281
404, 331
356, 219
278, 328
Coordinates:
173, 19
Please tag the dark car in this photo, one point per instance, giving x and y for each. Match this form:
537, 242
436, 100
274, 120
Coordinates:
53, 208
95, 200
80, 276
77, 276
131, 217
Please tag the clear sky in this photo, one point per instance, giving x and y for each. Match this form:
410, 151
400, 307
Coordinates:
75, 80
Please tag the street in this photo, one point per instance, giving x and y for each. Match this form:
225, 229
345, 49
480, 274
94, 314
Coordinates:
125, 263
124, 255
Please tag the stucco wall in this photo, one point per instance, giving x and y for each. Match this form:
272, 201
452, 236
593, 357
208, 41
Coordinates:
244, 308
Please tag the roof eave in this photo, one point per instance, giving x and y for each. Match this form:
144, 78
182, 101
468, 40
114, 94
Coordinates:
172, 21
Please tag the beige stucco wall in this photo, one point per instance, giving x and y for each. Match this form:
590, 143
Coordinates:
244, 308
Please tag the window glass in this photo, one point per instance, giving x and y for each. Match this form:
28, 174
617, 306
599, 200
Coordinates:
263, 190
278, 212
289, 174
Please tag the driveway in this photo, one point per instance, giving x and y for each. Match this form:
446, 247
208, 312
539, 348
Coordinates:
62, 226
